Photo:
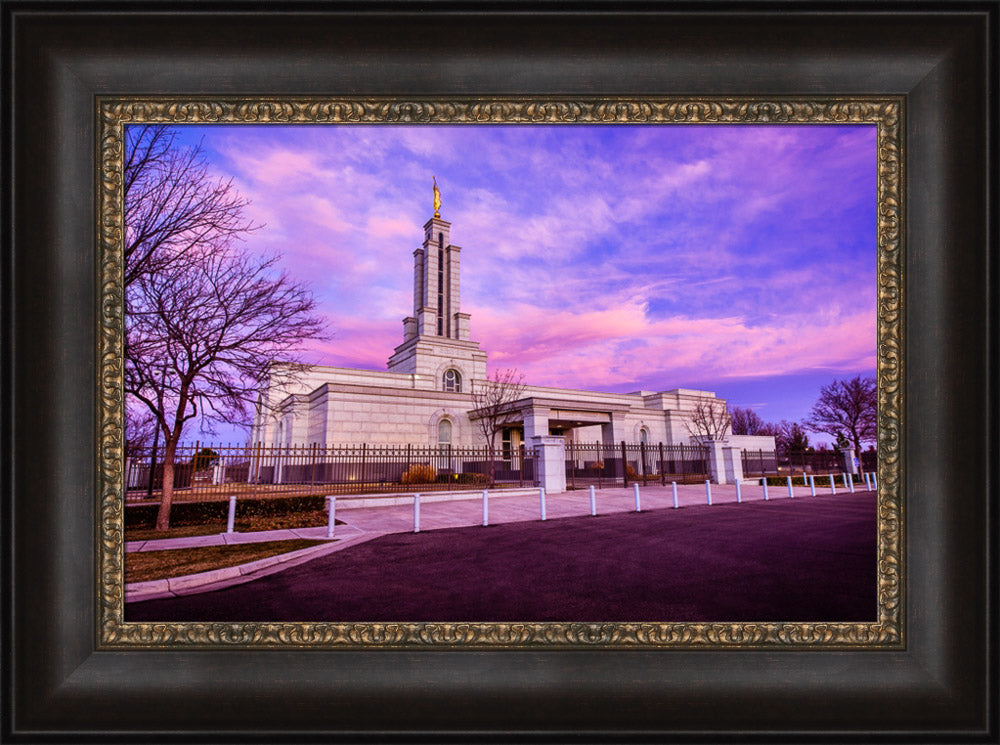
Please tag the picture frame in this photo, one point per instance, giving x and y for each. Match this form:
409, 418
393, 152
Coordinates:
939, 683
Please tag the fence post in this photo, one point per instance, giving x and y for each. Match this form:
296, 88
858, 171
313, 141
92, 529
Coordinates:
416, 513
593, 501
708, 491
364, 457
541, 501
642, 454
673, 488
791, 494
638, 506
231, 520
833, 486
812, 485
331, 517
663, 476
624, 466
764, 482
739, 497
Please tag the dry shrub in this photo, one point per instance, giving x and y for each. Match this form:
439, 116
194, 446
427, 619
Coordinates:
419, 473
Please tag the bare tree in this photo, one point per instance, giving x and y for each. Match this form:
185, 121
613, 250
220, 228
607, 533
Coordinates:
203, 333
710, 420
172, 203
848, 408
746, 421
492, 410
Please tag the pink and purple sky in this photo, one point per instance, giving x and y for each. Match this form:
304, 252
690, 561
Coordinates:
739, 259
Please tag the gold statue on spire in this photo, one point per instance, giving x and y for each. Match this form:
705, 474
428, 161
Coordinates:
437, 198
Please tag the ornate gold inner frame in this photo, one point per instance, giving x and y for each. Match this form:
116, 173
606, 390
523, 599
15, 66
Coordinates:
884, 112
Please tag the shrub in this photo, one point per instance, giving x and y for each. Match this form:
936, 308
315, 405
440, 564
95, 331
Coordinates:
419, 473
200, 513
473, 479
630, 472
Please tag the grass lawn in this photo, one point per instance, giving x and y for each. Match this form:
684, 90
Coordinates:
141, 566
310, 519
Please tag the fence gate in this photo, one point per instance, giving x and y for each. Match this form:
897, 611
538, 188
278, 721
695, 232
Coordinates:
601, 464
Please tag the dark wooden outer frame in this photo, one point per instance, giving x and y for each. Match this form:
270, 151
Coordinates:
942, 686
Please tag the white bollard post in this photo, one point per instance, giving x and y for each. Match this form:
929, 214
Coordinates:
708, 491
874, 481
541, 501
486, 509
416, 513
673, 486
850, 483
833, 486
739, 497
638, 505
812, 485
593, 501
764, 482
791, 494
331, 518
231, 521
843, 477
868, 481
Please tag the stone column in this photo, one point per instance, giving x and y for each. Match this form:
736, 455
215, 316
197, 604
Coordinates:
848, 460
716, 461
551, 450
536, 422
732, 458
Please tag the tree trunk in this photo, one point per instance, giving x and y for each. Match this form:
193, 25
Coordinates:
167, 488
492, 464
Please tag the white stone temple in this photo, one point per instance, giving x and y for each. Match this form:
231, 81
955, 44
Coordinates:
424, 397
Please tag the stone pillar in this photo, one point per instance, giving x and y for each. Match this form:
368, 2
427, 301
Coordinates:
732, 458
536, 423
716, 461
551, 450
847, 454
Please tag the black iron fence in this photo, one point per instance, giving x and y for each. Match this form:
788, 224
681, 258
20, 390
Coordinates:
605, 465
211, 472
773, 463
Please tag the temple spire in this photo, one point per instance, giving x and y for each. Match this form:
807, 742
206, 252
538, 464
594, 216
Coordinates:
437, 199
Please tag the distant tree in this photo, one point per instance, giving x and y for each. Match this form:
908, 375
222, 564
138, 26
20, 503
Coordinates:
746, 421
491, 404
794, 438
709, 420
847, 409
202, 334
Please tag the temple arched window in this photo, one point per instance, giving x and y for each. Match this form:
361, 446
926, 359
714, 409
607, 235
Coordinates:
451, 381
444, 432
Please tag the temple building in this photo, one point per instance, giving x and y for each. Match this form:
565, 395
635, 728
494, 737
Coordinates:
424, 397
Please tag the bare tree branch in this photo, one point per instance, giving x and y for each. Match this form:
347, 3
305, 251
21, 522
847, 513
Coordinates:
709, 420
491, 402
847, 408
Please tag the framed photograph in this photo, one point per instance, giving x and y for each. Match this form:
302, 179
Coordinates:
893, 106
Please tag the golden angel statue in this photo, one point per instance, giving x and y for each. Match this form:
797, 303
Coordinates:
437, 198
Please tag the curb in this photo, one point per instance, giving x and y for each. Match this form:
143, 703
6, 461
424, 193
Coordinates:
217, 579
